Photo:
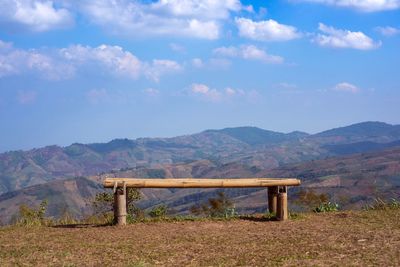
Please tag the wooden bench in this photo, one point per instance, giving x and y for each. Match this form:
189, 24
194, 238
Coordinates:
277, 190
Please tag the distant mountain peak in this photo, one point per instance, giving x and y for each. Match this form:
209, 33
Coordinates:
257, 136
368, 126
374, 131
377, 124
298, 134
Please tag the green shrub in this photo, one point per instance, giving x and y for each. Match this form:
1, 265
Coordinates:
105, 219
33, 216
220, 206
67, 218
159, 211
310, 199
326, 207
103, 205
381, 204
269, 215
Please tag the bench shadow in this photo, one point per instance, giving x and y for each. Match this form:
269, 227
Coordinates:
258, 219
80, 225
91, 225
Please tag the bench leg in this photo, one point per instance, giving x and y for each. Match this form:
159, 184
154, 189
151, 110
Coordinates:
282, 208
120, 206
272, 199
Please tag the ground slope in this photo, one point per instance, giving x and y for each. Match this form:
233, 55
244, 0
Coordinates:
351, 239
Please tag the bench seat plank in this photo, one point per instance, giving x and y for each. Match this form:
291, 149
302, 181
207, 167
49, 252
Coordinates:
200, 183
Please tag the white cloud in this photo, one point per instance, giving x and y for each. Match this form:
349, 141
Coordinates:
35, 15
215, 95
209, 9
211, 63
346, 87
64, 63
208, 94
337, 38
235, 92
230, 51
248, 52
160, 67
361, 5
388, 31
197, 62
230, 91
266, 30
200, 88
189, 18
26, 97
17, 61
114, 58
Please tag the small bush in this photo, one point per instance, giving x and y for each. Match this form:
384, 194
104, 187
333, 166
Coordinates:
380, 204
103, 206
66, 219
33, 217
310, 199
269, 215
221, 207
326, 207
101, 219
159, 211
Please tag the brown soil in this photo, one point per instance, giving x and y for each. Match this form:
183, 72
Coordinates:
350, 238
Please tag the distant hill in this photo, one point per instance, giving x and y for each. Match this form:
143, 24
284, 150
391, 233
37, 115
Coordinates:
71, 195
257, 136
352, 181
365, 131
230, 152
250, 146
360, 147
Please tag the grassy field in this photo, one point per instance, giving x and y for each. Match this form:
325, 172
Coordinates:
361, 238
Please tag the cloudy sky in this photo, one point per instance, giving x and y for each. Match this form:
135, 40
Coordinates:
94, 70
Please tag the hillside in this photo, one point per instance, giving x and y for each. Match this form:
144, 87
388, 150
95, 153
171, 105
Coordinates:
352, 181
368, 238
251, 146
379, 132
73, 196
352, 173
19, 169
256, 136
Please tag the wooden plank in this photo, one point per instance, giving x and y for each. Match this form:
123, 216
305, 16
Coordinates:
200, 183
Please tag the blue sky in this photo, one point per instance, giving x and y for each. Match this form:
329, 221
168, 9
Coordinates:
91, 71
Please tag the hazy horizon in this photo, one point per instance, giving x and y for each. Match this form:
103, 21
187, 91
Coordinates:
177, 135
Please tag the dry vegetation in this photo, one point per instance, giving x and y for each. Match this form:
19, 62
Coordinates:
339, 238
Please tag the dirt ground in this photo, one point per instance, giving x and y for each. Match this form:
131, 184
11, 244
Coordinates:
343, 238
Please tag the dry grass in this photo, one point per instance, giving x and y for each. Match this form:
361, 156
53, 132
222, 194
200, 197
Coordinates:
352, 238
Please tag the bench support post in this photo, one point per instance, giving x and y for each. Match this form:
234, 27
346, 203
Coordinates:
282, 208
120, 206
272, 199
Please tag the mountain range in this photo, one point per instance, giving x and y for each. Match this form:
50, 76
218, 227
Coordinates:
332, 161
